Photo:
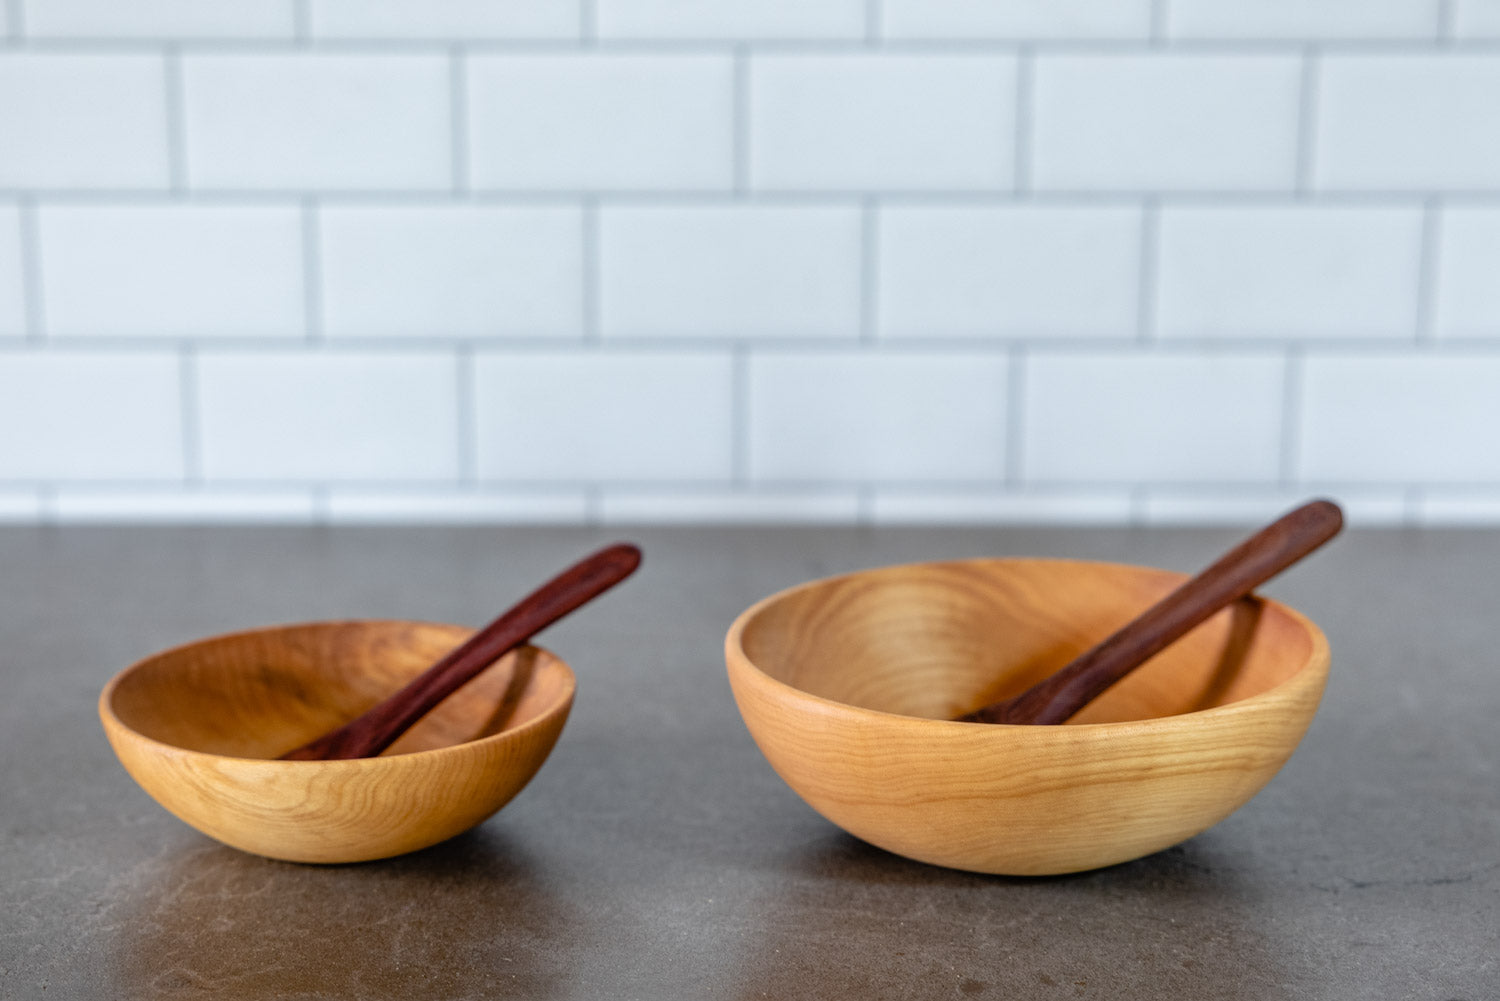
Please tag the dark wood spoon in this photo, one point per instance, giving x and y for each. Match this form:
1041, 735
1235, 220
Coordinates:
1238, 572
372, 732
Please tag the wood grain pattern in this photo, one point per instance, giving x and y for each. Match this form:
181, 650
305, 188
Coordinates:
850, 685
199, 727
381, 725
1233, 576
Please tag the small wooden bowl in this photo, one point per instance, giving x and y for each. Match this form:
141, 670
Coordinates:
199, 727
849, 686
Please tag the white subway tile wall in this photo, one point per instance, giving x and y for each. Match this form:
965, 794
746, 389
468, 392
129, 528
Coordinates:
12, 282
1008, 271
1165, 121
872, 121
1288, 271
171, 270
729, 271
826, 261
596, 119
451, 270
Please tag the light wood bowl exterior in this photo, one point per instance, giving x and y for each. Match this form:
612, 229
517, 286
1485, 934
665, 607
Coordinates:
199, 727
849, 686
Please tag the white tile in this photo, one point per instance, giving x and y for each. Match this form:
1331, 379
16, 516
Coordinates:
82, 504
1025, 270
1165, 121
1257, 505
730, 271
1399, 122
608, 121
1476, 18
19, 506
731, 19
626, 506
882, 121
1015, 507
1166, 417
159, 19
1467, 294
327, 416
459, 20
1299, 19
366, 121
1017, 19
468, 270
347, 505
845, 416
1457, 507
171, 270
590, 416
96, 416
1288, 271
95, 120
12, 276
1398, 418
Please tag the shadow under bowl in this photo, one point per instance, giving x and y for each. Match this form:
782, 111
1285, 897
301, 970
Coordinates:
200, 727
850, 686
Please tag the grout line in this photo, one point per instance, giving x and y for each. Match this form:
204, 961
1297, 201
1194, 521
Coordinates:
16, 18
962, 344
1412, 502
467, 417
720, 196
1015, 418
31, 270
719, 46
176, 125
588, 22
741, 121
1307, 121
312, 271
1025, 78
874, 21
1139, 504
864, 504
593, 505
1160, 16
1291, 417
1447, 27
1427, 269
192, 443
739, 446
590, 293
869, 269
458, 120
46, 503
1145, 331
319, 498
302, 21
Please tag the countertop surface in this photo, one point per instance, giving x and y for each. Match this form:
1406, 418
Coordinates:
657, 856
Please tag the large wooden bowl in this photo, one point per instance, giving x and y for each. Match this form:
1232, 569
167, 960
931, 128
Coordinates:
199, 727
849, 686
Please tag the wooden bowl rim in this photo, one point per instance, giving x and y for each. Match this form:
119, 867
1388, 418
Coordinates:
1314, 669
106, 711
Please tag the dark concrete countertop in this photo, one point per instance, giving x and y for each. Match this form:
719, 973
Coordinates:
657, 856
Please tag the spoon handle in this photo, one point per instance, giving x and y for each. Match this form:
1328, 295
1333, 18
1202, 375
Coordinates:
372, 732
1238, 572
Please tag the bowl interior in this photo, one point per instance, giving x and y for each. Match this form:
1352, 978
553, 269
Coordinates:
940, 639
259, 694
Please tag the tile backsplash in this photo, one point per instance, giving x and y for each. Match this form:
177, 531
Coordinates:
842, 261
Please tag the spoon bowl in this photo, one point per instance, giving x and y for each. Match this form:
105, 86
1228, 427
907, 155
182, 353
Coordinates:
199, 728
